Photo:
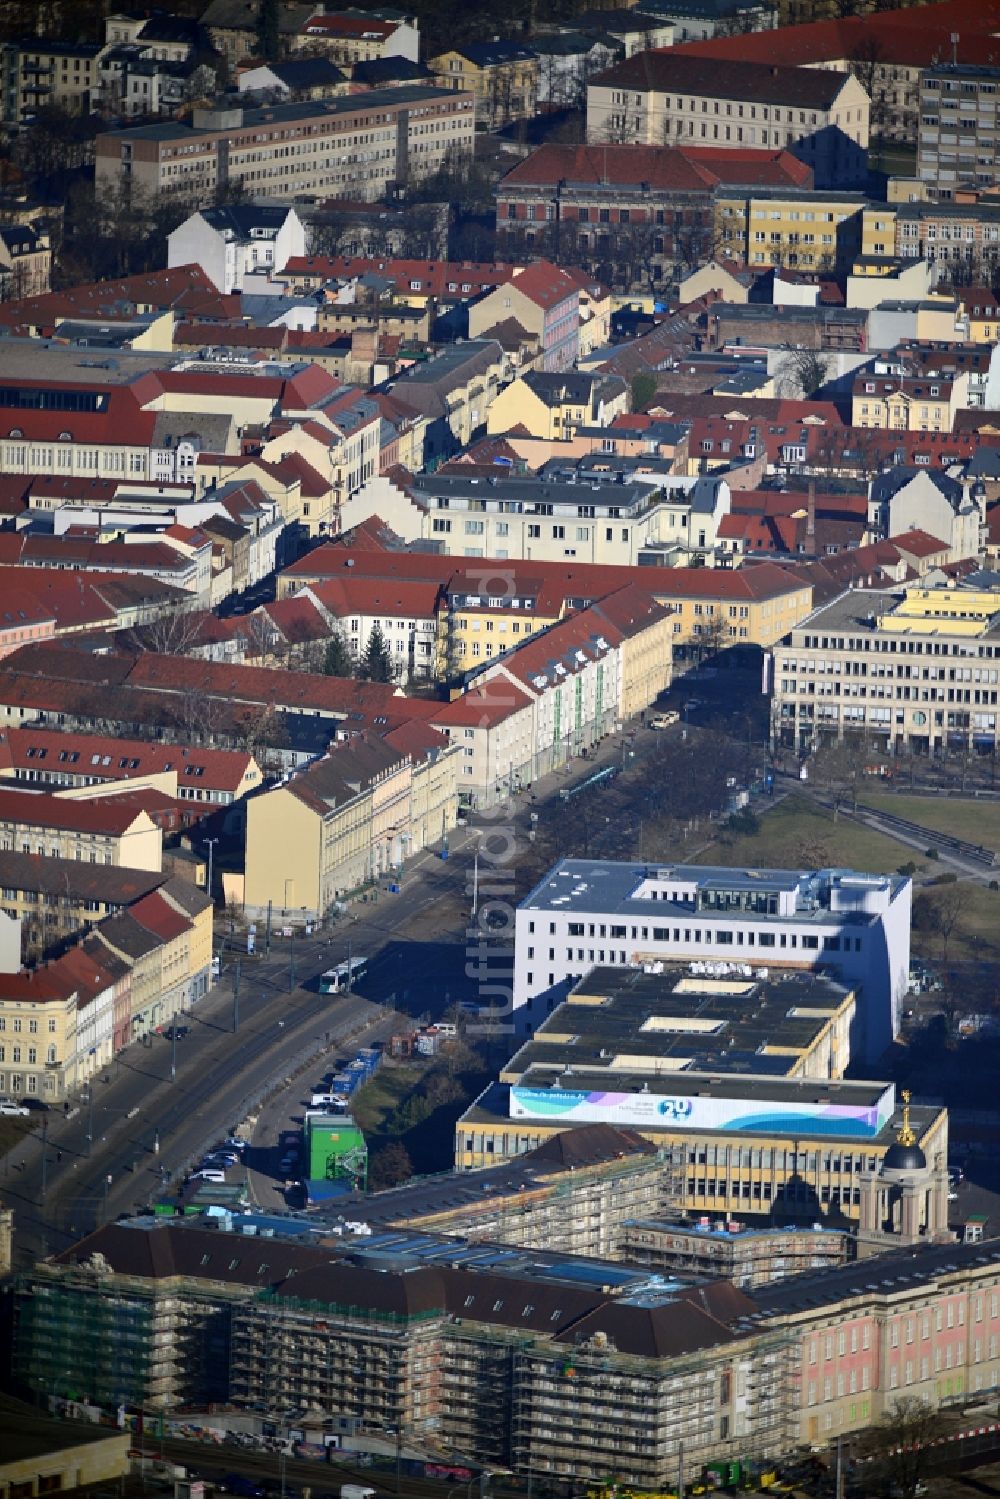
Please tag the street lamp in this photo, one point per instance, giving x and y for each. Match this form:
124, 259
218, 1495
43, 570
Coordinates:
475, 875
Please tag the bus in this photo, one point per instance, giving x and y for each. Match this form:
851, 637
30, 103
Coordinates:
335, 980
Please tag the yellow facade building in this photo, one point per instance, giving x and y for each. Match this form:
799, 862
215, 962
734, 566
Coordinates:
716, 607
556, 406
810, 231
891, 401
502, 76
878, 229
347, 820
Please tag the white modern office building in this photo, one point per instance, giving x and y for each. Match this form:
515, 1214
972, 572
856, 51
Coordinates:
587, 912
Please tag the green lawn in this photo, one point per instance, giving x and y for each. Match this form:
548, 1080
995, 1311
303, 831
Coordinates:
375, 1101
798, 833
977, 821
977, 934
894, 159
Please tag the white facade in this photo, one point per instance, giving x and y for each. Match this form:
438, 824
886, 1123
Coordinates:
588, 913
586, 521
945, 505
94, 1036
227, 254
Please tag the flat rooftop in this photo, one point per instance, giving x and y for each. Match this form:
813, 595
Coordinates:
861, 610
647, 891
676, 1020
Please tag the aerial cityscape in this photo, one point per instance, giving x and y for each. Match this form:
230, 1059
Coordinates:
499, 812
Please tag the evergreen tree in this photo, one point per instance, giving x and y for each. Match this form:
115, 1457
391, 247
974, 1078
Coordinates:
376, 665
267, 29
337, 658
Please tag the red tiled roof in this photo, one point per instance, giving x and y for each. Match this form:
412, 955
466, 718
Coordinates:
386, 596
484, 705
180, 286
545, 284
664, 168
105, 815
160, 918
434, 276
917, 543
49, 749
914, 39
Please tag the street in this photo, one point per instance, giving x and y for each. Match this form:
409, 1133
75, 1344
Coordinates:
144, 1126
109, 1156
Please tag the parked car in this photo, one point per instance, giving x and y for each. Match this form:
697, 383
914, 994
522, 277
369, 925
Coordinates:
233, 1142
10, 1109
210, 1174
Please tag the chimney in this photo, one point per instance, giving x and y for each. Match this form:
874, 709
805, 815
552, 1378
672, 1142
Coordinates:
811, 513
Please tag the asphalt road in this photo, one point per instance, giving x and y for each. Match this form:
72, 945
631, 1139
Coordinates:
108, 1159
144, 1124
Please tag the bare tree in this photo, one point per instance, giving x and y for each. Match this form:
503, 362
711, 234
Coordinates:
839, 769
897, 1448
803, 371
172, 632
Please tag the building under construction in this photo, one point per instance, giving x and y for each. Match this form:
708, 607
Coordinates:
547, 1364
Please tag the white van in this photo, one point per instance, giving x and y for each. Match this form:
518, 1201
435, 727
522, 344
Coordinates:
210, 1174
327, 1101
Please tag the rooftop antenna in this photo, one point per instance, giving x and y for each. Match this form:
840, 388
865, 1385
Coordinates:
954, 49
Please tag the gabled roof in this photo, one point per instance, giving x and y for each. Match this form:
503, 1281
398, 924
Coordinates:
661, 168
403, 599
668, 70
483, 706
109, 816
545, 284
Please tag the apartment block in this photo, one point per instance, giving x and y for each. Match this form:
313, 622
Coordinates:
56, 899
502, 76
959, 129
913, 671
588, 913
145, 960
346, 821
353, 147
886, 396
556, 520
801, 230
37, 72
112, 830
946, 232
673, 98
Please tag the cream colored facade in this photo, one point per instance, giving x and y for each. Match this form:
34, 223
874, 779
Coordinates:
433, 798
555, 419
352, 147
38, 1043
67, 1464
139, 846
647, 666
915, 671
343, 822
925, 405
503, 90
654, 116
